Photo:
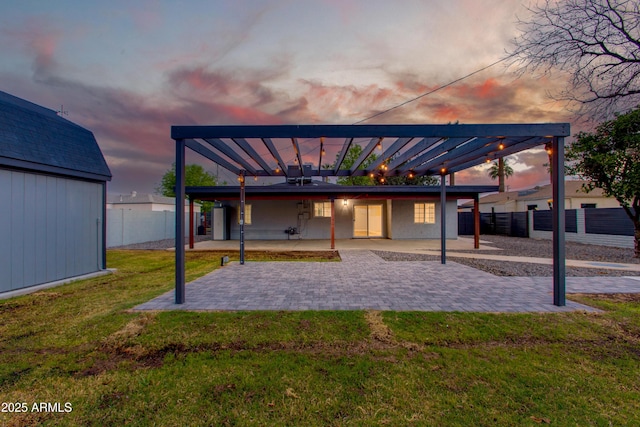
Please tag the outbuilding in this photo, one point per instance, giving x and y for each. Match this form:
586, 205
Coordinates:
52, 197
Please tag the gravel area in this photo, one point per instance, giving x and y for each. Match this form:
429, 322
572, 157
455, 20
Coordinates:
514, 246
517, 246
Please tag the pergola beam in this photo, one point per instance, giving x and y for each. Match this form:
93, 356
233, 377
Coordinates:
218, 144
205, 152
390, 152
276, 155
247, 148
366, 153
343, 153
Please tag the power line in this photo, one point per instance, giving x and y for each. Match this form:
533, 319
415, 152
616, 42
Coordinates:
434, 90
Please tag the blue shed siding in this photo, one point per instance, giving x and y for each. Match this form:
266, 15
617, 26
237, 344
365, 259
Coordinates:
50, 228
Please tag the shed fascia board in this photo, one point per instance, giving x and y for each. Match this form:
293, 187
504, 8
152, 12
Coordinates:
51, 170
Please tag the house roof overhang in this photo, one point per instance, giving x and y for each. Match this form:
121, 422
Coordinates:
337, 192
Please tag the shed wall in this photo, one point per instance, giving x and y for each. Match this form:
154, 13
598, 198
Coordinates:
51, 228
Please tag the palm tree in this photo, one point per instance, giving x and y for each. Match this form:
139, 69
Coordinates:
500, 170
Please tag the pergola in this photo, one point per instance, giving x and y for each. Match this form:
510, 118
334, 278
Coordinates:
411, 151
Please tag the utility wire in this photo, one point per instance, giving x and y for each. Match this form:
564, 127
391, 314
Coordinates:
434, 90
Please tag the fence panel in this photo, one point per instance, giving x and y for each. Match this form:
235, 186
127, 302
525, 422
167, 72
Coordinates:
542, 221
612, 221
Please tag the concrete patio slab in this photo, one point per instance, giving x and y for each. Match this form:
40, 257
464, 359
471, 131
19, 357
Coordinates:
365, 281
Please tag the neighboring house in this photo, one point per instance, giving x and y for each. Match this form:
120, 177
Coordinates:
539, 198
145, 202
285, 211
52, 186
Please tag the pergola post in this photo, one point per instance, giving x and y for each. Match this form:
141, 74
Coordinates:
476, 221
242, 200
190, 223
443, 222
180, 194
558, 218
333, 224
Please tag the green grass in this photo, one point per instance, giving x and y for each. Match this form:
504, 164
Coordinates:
81, 344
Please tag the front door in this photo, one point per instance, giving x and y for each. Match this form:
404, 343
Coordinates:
367, 221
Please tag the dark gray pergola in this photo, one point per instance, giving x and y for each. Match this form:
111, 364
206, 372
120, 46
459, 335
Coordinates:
412, 150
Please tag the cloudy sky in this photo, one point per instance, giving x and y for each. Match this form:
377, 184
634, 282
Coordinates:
128, 70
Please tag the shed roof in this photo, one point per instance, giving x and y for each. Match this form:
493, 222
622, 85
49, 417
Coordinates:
36, 138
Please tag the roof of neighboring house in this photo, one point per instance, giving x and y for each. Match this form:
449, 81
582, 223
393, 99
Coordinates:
36, 138
571, 189
139, 198
321, 190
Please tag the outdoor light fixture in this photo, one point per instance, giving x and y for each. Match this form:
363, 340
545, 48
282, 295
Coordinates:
241, 178
501, 146
277, 170
548, 147
443, 171
345, 202
382, 179
488, 160
410, 175
255, 178
371, 175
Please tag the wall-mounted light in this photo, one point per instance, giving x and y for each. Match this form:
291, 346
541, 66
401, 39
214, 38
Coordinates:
345, 202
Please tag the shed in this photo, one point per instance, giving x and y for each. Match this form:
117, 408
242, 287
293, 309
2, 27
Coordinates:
53, 191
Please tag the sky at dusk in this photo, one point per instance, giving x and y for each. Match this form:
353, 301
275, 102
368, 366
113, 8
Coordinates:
127, 71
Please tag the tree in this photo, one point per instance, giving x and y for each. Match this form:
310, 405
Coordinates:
354, 153
500, 171
349, 159
609, 159
194, 175
597, 42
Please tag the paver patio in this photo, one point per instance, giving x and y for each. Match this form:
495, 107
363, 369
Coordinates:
365, 281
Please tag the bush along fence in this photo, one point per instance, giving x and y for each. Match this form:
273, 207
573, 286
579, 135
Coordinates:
606, 227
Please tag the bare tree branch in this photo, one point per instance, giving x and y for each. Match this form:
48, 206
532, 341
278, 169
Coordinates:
596, 41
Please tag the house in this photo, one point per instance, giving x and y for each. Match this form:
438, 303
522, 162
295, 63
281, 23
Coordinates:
539, 198
144, 202
53, 180
290, 211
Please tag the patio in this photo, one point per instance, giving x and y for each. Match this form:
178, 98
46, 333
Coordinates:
364, 281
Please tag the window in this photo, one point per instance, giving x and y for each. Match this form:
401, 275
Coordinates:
424, 213
322, 209
587, 205
247, 214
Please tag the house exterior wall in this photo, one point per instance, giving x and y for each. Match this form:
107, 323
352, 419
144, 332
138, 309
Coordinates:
404, 227
51, 228
270, 219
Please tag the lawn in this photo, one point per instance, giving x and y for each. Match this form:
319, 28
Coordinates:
79, 349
